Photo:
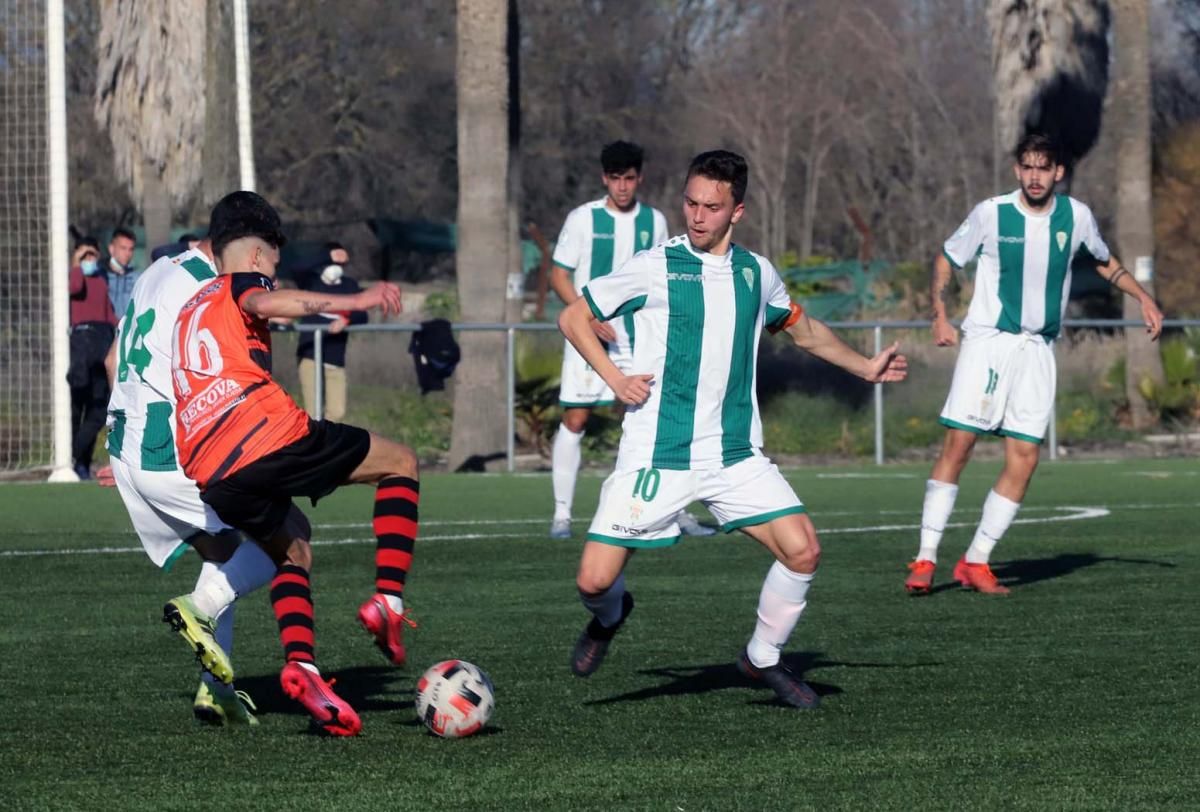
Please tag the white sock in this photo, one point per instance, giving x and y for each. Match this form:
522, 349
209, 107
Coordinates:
219, 585
998, 514
225, 640
780, 604
564, 466
395, 603
607, 605
939, 504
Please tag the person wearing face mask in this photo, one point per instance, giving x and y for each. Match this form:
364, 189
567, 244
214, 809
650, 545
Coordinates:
92, 321
331, 278
119, 268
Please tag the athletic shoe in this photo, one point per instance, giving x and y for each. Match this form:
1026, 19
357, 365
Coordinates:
386, 626
593, 644
920, 578
978, 577
688, 524
199, 630
223, 709
560, 529
790, 689
328, 710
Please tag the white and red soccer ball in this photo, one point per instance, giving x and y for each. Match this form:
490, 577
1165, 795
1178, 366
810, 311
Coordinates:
455, 699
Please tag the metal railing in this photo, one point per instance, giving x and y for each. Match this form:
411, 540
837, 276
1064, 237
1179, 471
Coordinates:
510, 331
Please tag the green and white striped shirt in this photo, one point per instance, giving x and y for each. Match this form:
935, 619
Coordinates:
595, 241
1023, 278
141, 422
698, 319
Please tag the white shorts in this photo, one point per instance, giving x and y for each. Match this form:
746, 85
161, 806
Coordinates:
582, 386
1003, 384
638, 506
166, 510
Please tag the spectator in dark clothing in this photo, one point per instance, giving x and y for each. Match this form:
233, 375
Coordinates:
93, 324
185, 243
120, 271
332, 279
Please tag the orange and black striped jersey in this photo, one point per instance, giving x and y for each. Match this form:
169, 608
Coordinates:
229, 412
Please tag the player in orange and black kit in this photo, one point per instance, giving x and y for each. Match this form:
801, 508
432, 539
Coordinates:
251, 449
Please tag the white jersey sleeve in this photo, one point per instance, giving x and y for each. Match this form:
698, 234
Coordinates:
621, 292
568, 251
961, 247
1089, 233
661, 234
778, 303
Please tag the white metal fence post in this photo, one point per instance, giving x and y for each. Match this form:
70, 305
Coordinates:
511, 377
878, 402
318, 375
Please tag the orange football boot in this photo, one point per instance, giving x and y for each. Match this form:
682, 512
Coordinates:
920, 577
978, 577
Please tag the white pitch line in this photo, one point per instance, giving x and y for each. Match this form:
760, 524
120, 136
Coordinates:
1077, 514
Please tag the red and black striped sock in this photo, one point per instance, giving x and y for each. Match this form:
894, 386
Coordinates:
291, 600
395, 532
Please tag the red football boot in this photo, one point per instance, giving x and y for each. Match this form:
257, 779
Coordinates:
386, 626
978, 577
328, 710
920, 577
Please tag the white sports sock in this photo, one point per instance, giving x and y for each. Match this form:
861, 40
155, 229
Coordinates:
564, 466
607, 605
225, 640
998, 514
780, 604
939, 504
219, 585
395, 603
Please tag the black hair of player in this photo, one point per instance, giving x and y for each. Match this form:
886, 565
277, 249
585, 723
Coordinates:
121, 231
89, 241
244, 214
1038, 144
725, 167
621, 156
186, 238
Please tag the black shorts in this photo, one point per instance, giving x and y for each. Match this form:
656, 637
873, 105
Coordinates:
256, 499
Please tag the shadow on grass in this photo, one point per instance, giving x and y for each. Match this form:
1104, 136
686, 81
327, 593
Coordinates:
366, 688
1032, 570
702, 679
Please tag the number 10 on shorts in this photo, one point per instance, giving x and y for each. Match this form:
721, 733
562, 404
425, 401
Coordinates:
646, 486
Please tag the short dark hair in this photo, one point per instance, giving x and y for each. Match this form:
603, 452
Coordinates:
1038, 144
723, 166
189, 238
244, 214
620, 156
89, 241
121, 231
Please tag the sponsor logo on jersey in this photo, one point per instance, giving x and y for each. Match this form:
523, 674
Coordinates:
603, 237
218, 398
1003, 238
684, 277
627, 531
1062, 239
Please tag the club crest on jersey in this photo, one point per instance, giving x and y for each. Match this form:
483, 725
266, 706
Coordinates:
748, 275
644, 237
1062, 239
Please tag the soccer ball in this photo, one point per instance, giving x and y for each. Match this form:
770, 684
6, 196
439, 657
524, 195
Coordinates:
455, 699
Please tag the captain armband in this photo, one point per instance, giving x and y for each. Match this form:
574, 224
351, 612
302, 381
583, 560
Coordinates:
794, 314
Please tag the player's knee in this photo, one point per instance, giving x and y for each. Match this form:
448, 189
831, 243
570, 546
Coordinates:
406, 463
575, 420
594, 581
805, 557
299, 554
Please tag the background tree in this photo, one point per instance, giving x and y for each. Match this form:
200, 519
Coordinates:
150, 100
483, 230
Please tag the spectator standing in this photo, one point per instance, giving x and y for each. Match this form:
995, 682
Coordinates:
93, 324
122, 276
331, 279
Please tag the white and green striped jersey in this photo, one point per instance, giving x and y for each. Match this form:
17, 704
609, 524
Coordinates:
698, 319
141, 423
1023, 277
595, 241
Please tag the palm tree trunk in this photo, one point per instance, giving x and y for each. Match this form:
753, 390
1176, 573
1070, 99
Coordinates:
220, 147
156, 208
1135, 227
478, 435
515, 296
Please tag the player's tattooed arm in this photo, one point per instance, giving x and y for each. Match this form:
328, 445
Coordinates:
1120, 277
944, 334
317, 306
294, 304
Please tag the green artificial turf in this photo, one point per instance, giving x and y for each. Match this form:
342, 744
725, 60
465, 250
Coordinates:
1079, 690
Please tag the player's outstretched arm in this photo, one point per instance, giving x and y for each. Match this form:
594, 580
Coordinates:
944, 334
294, 304
1117, 275
575, 324
815, 337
